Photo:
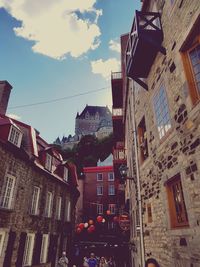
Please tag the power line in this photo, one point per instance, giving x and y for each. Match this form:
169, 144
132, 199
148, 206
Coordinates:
59, 99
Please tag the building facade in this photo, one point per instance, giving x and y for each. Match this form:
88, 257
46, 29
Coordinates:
161, 104
102, 203
38, 193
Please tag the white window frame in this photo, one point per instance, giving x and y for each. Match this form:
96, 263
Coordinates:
49, 204
111, 190
7, 194
99, 190
112, 208
35, 201
111, 174
44, 248
66, 174
161, 111
48, 162
28, 250
99, 208
15, 136
2, 240
58, 207
99, 177
68, 210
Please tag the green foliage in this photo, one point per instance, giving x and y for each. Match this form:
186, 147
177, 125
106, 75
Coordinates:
88, 151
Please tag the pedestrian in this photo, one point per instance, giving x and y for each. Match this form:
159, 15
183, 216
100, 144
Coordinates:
85, 262
63, 261
111, 262
92, 261
151, 263
103, 262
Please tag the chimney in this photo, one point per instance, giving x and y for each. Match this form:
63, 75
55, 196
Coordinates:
5, 89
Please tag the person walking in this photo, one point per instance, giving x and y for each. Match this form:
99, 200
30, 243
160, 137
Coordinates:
92, 261
63, 261
85, 262
103, 262
111, 262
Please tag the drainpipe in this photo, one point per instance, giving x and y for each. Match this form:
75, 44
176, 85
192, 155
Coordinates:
142, 249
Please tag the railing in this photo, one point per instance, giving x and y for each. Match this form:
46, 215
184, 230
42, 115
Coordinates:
119, 155
117, 112
116, 75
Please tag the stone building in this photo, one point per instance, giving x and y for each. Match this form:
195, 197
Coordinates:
161, 102
38, 192
95, 120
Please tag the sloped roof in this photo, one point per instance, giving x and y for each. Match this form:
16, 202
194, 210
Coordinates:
92, 110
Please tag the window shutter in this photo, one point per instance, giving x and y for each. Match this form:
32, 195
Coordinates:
37, 248
21, 247
9, 249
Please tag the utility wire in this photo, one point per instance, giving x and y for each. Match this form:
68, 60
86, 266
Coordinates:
60, 99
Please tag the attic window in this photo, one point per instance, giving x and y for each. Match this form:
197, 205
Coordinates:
66, 174
15, 136
48, 162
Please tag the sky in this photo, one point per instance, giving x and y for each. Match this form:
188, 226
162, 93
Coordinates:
60, 53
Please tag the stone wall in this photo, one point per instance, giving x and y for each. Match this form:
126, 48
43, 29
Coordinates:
18, 219
177, 152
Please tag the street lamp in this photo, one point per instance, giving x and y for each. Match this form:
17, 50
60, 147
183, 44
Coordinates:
123, 169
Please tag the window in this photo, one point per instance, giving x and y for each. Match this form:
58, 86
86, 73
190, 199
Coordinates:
66, 174
99, 190
149, 213
99, 177
112, 208
177, 208
35, 201
58, 208
8, 192
44, 248
15, 136
2, 239
162, 112
68, 210
142, 136
111, 190
28, 251
48, 163
49, 205
99, 208
111, 176
191, 61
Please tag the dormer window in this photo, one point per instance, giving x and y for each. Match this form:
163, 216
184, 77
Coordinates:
87, 115
66, 174
15, 136
48, 163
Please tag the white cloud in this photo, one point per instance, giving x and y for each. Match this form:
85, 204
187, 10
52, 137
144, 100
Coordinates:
115, 46
54, 26
14, 116
105, 68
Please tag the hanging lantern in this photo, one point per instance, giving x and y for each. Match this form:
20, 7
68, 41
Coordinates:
99, 219
90, 222
81, 226
78, 230
115, 219
91, 229
103, 220
108, 212
86, 225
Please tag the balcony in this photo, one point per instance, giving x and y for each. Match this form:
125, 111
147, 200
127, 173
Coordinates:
117, 89
144, 43
119, 155
117, 113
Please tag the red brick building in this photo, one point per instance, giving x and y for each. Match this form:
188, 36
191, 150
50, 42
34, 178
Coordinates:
38, 192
